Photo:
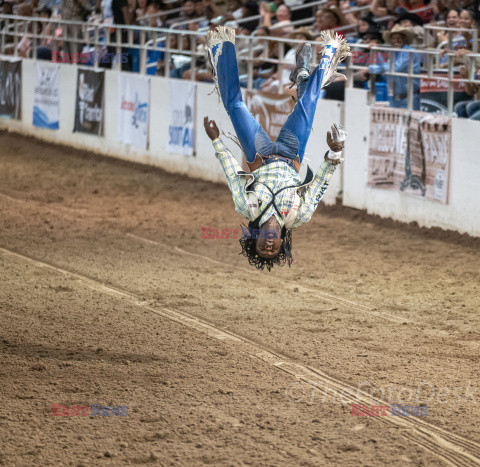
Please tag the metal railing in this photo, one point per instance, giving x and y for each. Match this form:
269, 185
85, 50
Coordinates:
96, 37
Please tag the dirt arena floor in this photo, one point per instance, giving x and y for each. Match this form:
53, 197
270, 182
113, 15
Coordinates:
110, 296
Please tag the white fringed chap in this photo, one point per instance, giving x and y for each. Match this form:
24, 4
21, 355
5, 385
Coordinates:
217, 37
342, 52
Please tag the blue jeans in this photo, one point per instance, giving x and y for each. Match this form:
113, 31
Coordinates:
468, 109
294, 134
403, 103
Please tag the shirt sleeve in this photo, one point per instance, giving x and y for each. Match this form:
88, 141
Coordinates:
236, 182
314, 193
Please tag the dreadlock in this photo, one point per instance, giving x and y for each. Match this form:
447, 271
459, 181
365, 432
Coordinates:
248, 243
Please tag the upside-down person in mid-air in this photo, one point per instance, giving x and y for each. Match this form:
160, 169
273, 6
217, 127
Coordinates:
272, 197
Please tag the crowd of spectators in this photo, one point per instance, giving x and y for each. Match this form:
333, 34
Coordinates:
400, 24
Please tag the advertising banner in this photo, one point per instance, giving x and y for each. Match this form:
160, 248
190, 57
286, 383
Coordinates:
11, 89
181, 136
410, 152
270, 110
46, 102
89, 102
133, 119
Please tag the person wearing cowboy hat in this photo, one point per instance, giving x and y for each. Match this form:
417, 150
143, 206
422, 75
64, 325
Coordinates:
411, 21
399, 38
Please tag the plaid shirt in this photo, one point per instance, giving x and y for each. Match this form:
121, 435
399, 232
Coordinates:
275, 175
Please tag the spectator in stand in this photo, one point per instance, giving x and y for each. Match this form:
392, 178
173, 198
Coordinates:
272, 84
25, 44
250, 8
328, 18
466, 19
281, 25
452, 21
153, 18
234, 10
398, 38
44, 48
471, 108
348, 16
459, 40
413, 22
7, 9
365, 23
262, 70
141, 9
74, 10
443, 7
123, 14
381, 8
426, 15
210, 11
188, 11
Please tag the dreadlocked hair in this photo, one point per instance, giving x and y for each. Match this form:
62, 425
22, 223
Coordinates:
249, 248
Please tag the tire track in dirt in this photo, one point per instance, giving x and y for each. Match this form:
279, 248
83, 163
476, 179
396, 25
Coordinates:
451, 448
326, 296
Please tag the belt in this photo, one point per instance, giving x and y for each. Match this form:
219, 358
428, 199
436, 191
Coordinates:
269, 159
263, 160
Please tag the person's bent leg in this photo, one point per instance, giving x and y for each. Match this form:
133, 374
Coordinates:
472, 108
299, 122
461, 109
246, 127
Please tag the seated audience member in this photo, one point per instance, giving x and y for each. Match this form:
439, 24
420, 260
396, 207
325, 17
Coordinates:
459, 40
233, 10
452, 21
152, 17
188, 12
471, 108
250, 8
413, 22
329, 18
272, 84
381, 8
427, 14
281, 25
349, 17
140, 12
399, 38
443, 7
44, 47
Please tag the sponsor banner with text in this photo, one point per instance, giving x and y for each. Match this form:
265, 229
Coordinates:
133, 119
410, 152
11, 88
181, 135
89, 102
46, 102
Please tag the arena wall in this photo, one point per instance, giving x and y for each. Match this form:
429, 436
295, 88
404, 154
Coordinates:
202, 165
462, 213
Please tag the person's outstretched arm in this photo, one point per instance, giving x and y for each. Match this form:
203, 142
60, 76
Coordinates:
315, 191
231, 167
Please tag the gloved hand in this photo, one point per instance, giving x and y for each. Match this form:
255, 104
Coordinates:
336, 142
336, 138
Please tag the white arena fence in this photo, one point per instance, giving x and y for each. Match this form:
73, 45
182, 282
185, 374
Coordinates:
461, 212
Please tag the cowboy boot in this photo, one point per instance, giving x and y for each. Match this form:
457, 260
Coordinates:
302, 60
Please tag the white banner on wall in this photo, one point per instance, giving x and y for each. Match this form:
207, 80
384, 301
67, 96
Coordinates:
181, 135
46, 102
133, 118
